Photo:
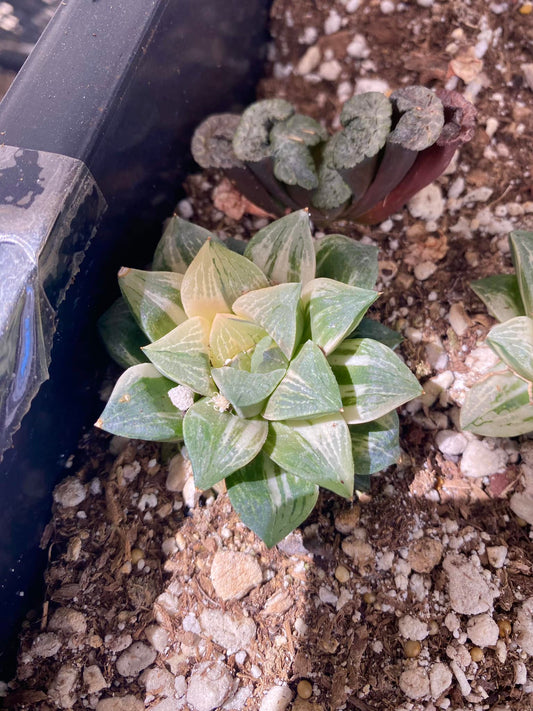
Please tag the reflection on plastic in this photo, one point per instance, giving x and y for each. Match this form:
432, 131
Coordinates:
49, 210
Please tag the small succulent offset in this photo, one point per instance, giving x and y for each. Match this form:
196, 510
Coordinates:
262, 363
501, 404
387, 150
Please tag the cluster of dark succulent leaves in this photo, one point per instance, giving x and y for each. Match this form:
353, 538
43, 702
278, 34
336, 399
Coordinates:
387, 150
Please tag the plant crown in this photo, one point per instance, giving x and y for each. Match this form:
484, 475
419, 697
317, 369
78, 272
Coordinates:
388, 148
263, 364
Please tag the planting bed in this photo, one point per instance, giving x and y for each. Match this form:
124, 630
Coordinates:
417, 597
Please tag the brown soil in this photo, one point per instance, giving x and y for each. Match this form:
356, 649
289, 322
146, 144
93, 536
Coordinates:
334, 596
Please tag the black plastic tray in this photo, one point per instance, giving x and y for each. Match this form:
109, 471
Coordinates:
95, 136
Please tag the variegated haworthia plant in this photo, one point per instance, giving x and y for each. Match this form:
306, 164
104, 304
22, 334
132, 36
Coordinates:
501, 403
263, 364
387, 150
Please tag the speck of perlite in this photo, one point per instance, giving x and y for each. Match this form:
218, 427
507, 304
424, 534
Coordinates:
210, 684
524, 626
414, 683
276, 699
71, 492
412, 628
469, 591
440, 678
482, 630
135, 658
427, 204
234, 574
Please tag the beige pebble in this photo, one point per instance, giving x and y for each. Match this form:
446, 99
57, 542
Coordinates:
347, 520
94, 679
342, 574
425, 554
234, 574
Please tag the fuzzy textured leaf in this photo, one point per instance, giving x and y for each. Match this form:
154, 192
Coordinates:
215, 278
366, 119
333, 310
154, 299
270, 501
498, 406
339, 257
284, 250
179, 245
122, 337
372, 379
512, 341
501, 295
293, 162
318, 450
277, 309
251, 141
219, 443
139, 407
308, 389
182, 355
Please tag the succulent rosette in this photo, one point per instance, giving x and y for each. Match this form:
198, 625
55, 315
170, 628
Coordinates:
263, 363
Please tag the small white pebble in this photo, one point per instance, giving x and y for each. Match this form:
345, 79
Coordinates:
333, 23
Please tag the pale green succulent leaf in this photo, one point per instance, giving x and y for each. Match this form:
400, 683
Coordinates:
232, 335
219, 443
512, 341
154, 300
308, 389
121, 335
499, 405
375, 445
179, 245
247, 392
284, 249
369, 328
139, 407
215, 278
267, 356
372, 379
341, 258
270, 501
318, 450
333, 310
277, 309
521, 243
501, 295
182, 355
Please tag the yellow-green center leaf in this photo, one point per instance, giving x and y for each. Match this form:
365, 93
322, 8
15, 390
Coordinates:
217, 277
284, 250
179, 245
512, 341
317, 450
333, 310
498, 406
308, 389
219, 443
139, 407
182, 355
270, 501
373, 380
230, 336
278, 310
154, 300
247, 392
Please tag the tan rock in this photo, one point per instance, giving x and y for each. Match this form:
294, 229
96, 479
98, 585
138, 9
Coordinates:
120, 703
234, 574
425, 554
